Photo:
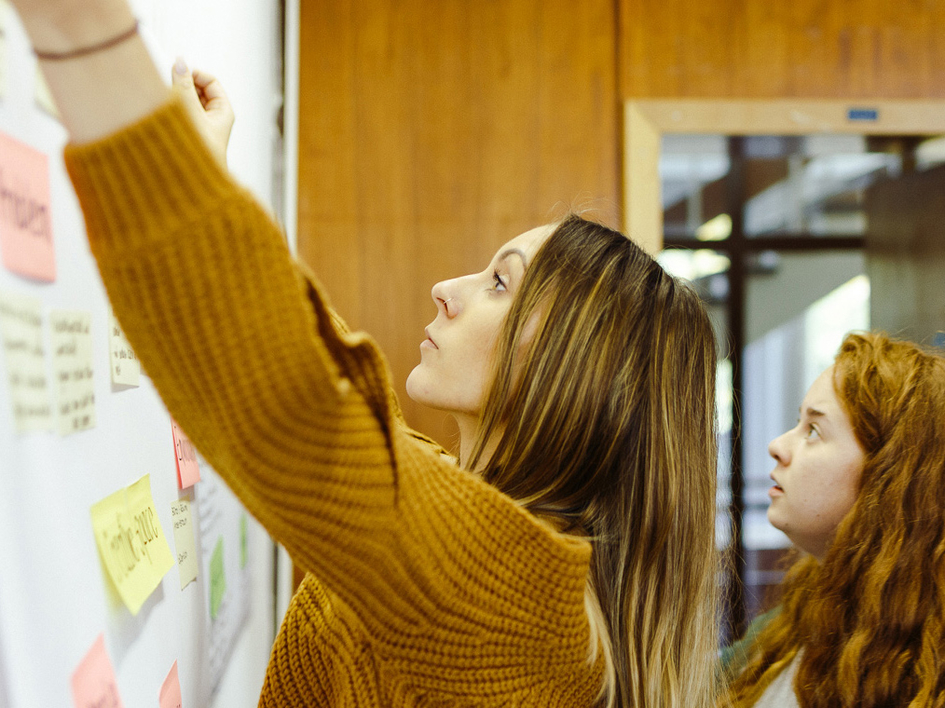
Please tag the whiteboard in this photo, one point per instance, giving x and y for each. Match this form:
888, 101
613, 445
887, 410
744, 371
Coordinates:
55, 599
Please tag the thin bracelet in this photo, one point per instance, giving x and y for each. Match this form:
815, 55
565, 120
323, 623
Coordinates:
82, 51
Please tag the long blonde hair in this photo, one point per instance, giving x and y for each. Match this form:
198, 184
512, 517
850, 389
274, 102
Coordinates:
871, 617
605, 418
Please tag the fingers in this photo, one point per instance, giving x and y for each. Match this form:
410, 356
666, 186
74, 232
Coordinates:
201, 87
210, 90
206, 102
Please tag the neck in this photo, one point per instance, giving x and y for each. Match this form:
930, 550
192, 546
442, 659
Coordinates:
468, 426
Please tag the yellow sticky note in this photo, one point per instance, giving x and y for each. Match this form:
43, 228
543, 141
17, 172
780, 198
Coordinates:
131, 542
184, 542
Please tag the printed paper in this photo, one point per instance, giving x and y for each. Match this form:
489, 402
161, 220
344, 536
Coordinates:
126, 369
188, 469
72, 370
26, 238
131, 542
244, 541
217, 513
93, 682
21, 325
184, 542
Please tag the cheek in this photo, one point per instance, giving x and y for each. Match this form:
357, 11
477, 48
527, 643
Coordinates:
829, 498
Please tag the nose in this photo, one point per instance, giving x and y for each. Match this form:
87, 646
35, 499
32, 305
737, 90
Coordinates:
778, 449
444, 295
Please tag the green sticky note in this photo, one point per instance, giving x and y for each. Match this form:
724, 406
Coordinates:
217, 579
243, 541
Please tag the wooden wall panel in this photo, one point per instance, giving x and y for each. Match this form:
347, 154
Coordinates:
767, 49
432, 132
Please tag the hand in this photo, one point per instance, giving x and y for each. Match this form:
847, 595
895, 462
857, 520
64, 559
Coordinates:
208, 106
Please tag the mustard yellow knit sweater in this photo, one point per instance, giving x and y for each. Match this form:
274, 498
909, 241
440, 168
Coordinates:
425, 586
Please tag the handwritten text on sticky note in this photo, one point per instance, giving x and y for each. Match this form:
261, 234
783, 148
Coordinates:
126, 369
188, 469
72, 369
21, 321
131, 542
93, 682
26, 237
184, 542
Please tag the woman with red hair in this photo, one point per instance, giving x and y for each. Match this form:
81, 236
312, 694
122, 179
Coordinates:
858, 489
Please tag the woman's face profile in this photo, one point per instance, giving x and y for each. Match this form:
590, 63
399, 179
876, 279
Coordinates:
819, 465
455, 358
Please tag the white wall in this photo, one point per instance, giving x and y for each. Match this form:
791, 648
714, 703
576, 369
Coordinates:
53, 599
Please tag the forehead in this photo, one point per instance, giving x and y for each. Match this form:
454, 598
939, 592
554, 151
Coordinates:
821, 394
528, 242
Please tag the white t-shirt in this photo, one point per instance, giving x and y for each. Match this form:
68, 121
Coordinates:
780, 694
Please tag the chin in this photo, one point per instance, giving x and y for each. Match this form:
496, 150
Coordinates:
773, 520
421, 389
414, 385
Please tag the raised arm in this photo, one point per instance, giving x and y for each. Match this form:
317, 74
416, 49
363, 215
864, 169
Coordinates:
292, 410
100, 91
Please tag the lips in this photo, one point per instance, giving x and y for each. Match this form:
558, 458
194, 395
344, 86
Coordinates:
429, 338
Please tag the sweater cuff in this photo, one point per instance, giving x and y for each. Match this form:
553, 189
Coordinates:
149, 174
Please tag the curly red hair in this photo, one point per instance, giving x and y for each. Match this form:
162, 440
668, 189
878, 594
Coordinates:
871, 617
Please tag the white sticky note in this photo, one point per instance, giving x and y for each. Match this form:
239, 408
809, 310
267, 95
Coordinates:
184, 542
72, 370
21, 325
126, 369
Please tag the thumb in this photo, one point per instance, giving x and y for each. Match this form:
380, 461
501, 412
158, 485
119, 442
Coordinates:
183, 81
180, 74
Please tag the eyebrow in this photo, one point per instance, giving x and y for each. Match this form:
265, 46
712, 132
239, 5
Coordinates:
517, 251
814, 413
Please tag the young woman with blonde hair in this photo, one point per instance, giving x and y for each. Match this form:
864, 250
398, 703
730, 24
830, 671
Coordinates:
858, 488
568, 560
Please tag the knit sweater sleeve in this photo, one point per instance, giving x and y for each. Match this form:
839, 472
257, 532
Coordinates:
294, 413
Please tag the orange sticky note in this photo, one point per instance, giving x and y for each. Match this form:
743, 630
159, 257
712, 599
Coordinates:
26, 239
188, 471
169, 696
93, 683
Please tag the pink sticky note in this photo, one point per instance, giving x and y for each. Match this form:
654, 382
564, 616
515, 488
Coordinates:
93, 683
169, 696
188, 471
26, 239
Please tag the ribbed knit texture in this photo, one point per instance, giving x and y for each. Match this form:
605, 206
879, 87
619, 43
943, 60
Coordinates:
426, 586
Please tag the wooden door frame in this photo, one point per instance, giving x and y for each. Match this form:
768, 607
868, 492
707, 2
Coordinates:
647, 120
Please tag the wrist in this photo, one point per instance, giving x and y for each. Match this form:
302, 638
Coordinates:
73, 24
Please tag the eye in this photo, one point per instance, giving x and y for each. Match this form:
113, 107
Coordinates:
812, 431
499, 283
